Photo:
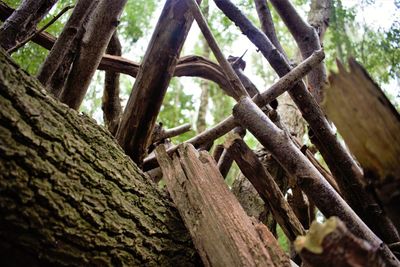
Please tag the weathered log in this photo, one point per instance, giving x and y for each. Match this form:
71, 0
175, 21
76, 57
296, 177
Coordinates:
100, 27
221, 231
55, 69
332, 244
307, 176
22, 22
155, 73
69, 196
370, 125
267, 188
346, 171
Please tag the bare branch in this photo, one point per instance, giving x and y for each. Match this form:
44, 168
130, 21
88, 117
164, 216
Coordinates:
37, 32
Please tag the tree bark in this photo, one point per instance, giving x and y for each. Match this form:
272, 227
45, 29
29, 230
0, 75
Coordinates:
157, 69
101, 26
69, 195
22, 22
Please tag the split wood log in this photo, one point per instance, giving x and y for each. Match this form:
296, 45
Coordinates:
226, 125
155, 73
221, 231
332, 244
266, 187
370, 125
307, 176
22, 22
55, 69
100, 27
347, 173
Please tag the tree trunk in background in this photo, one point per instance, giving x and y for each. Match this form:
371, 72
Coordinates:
68, 193
201, 123
111, 104
22, 23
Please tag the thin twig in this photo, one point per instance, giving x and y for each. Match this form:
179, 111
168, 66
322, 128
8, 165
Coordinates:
37, 32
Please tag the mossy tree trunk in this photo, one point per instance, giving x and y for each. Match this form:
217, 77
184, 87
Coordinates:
68, 193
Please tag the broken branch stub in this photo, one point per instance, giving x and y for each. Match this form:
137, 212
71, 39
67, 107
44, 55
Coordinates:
332, 244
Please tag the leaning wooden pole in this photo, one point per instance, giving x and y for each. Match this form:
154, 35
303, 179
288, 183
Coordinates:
157, 69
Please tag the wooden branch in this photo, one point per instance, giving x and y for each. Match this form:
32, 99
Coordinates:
56, 67
332, 244
226, 159
223, 127
371, 130
348, 174
218, 150
307, 176
266, 187
221, 231
308, 41
155, 73
111, 103
101, 26
37, 32
233, 79
22, 22
267, 24
169, 133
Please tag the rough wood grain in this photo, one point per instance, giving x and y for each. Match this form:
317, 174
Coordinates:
221, 231
370, 125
